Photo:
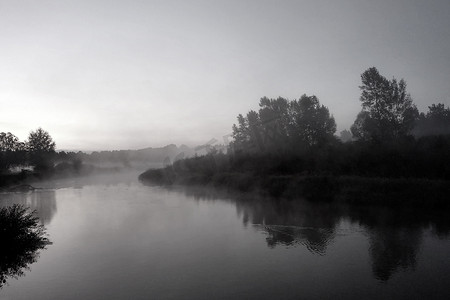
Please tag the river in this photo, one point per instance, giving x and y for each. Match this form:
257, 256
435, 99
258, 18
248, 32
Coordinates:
115, 238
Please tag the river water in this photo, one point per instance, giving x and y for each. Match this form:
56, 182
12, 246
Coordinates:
114, 238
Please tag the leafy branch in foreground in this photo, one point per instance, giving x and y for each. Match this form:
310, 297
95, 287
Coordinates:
21, 236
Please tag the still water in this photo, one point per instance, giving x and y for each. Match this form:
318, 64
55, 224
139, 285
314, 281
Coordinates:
114, 238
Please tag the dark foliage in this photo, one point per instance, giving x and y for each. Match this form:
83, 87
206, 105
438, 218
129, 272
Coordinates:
435, 122
21, 236
352, 172
38, 151
387, 112
284, 126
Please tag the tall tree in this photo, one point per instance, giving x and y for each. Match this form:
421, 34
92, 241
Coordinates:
40, 141
387, 109
275, 119
42, 148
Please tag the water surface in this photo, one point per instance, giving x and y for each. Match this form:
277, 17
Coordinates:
119, 239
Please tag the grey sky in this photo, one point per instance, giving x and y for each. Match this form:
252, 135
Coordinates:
133, 74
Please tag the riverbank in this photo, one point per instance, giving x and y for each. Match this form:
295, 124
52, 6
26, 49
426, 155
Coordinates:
416, 192
25, 180
11, 180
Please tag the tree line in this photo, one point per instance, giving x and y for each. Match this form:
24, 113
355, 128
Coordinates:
388, 115
36, 151
388, 139
282, 125
39, 153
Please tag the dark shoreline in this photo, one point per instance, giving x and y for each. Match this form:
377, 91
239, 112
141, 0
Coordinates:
10, 181
416, 192
23, 181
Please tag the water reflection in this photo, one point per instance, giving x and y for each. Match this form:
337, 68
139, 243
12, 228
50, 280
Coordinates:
392, 249
394, 235
292, 223
315, 240
43, 201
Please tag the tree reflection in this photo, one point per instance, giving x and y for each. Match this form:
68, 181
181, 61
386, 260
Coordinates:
315, 240
286, 223
395, 236
392, 249
21, 237
394, 233
293, 223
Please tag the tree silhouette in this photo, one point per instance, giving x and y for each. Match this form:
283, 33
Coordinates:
274, 114
41, 147
40, 141
387, 109
11, 151
281, 125
311, 122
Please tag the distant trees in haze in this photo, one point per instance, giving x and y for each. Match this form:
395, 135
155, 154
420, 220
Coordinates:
284, 125
345, 136
294, 135
435, 122
388, 115
389, 138
312, 123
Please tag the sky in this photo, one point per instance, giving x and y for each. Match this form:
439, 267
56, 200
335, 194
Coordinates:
104, 75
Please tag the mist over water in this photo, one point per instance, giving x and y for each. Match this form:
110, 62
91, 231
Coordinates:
229, 149
118, 239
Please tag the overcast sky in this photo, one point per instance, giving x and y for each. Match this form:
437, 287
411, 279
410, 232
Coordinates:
134, 74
